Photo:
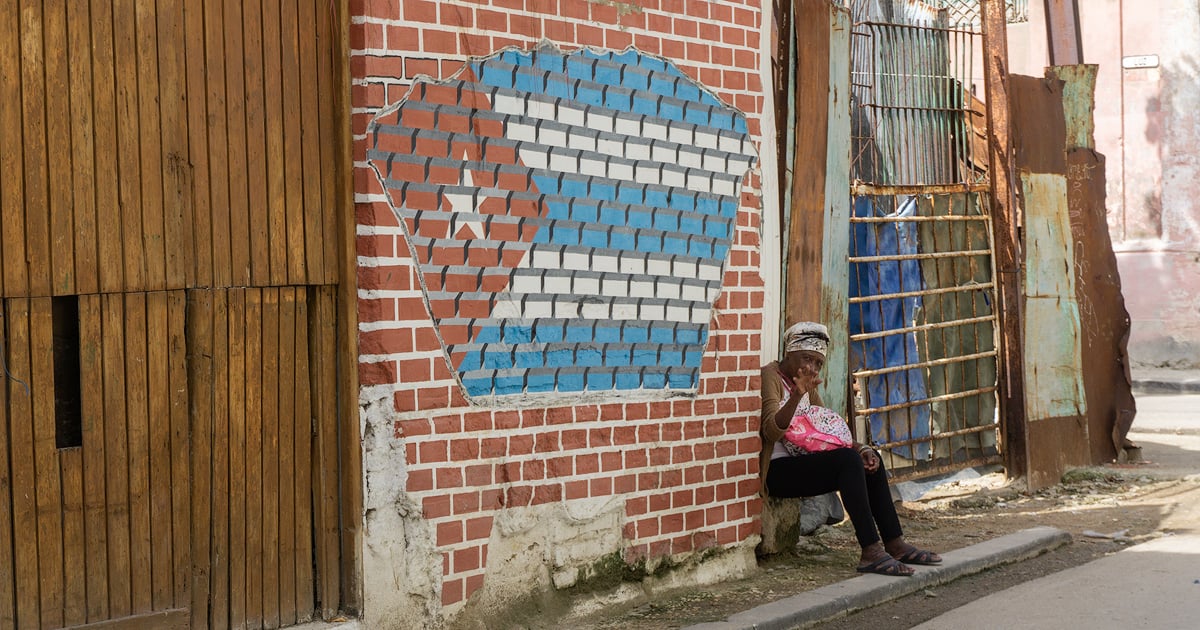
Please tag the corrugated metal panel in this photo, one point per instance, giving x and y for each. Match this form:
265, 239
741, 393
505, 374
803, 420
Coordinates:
1054, 363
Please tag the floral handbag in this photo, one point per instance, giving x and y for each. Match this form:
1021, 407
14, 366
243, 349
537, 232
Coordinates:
815, 429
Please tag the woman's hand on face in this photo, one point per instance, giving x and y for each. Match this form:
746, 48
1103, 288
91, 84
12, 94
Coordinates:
807, 375
806, 381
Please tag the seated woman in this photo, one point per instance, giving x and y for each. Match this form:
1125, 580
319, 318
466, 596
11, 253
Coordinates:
856, 472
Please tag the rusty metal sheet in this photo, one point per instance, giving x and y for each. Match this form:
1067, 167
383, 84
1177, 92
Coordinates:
1053, 360
1067, 436
1039, 129
1056, 405
1058, 137
1103, 318
1079, 103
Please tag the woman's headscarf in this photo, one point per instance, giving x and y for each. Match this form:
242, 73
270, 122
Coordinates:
806, 336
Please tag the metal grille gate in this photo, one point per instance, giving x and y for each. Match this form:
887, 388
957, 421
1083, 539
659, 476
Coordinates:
922, 319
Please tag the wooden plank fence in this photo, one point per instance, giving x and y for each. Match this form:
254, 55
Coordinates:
172, 196
89, 542
158, 150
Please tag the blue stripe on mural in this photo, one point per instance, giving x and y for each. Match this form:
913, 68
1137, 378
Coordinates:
503, 356
617, 176
576, 379
630, 70
552, 330
649, 196
585, 89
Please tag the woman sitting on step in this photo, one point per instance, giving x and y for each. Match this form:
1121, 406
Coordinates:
855, 471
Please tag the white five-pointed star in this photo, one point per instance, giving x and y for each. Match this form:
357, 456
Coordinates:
465, 223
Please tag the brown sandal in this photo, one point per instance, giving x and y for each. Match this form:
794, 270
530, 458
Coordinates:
887, 565
919, 556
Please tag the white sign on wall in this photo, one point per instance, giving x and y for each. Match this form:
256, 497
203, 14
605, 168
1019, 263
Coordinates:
1139, 61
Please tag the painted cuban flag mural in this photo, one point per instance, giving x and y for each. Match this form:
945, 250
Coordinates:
570, 214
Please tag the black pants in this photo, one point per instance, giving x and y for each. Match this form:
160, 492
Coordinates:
866, 497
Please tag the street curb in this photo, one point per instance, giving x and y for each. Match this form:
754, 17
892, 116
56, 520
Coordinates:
1160, 386
864, 591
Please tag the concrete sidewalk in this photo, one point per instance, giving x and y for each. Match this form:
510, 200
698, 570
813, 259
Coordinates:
865, 591
1151, 585
1165, 381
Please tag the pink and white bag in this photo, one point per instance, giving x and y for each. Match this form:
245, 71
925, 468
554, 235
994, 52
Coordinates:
815, 429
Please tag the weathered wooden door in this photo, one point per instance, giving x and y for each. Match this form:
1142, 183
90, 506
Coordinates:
94, 459
259, 385
173, 217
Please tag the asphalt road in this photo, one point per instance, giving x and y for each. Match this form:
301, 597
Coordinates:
1089, 584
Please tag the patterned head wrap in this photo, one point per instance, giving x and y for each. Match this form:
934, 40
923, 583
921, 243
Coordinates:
806, 336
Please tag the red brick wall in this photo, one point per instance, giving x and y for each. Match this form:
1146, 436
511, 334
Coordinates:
686, 467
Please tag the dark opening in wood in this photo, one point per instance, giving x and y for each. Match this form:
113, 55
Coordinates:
68, 405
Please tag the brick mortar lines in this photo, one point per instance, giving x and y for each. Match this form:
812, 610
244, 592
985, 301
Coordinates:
585, 425
417, 495
623, 449
550, 404
362, 20
482, 543
682, 64
573, 403
535, 458
462, 517
391, 324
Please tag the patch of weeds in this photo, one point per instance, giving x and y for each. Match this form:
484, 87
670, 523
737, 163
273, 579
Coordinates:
1077, 476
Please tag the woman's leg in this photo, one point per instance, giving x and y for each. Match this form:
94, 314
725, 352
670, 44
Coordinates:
817, 473
884, 511
882, 508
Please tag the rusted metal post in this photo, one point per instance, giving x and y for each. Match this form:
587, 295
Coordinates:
1007, 241
1062, 32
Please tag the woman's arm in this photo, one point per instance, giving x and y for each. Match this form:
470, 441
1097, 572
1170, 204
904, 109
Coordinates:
778, 407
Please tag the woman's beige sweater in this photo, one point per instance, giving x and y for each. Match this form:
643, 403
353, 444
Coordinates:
774, 395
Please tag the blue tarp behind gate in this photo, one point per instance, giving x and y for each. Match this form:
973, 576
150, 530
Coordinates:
879, 278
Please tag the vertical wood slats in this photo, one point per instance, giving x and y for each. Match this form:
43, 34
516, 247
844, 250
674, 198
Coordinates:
46, 465
33, 103
83, 175
177, 178
110, 248
252, 395
305, 588
181, 481
237, 240
199, 339
161, 537
166, 146
12, 185
219, 550
8, 612
112, 322
322, 331
74, 541
255, 559
58, 142
238, 512
91, 517
95, 518
20, 431
138, 423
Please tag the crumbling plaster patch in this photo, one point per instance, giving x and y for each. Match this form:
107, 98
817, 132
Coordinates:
401, 568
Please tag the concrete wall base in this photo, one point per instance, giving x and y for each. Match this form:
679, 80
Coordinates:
784, 521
